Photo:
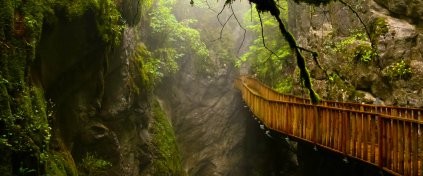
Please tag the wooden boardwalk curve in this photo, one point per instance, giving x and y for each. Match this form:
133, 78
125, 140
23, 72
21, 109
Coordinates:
384, 136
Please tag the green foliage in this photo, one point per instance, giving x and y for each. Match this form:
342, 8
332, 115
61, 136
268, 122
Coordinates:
268, 67
91, 165
170, 33
152, 67
284, 86
355, 46
145, 6
363, 53
399, 70
26, 129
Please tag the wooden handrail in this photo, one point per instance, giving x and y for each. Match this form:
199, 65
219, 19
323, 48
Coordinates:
384, 136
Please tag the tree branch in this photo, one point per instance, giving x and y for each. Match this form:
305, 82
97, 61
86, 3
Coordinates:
209, 7
218, 19
263, 40
223, 27
300, 60
361, 21
240, 25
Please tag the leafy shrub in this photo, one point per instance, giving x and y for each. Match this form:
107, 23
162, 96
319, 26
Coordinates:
399, 70
91, 165
363, 53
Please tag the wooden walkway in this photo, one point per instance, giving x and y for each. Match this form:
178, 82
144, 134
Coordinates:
384, 136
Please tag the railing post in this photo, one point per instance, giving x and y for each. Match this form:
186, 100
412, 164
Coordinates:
380, 141
316, 126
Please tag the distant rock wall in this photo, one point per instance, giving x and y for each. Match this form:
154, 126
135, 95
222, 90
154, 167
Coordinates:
324, 28
215, 132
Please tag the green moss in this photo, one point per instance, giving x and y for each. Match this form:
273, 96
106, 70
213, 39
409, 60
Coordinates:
60, 164
378, 27
141, 55
168, 160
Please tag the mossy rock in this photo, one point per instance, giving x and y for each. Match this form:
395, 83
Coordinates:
167, 158
61, 164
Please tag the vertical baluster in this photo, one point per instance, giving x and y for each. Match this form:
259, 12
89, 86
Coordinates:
391, 146
310, 120
270, 112
331, 129
420, 143
415, 147
349, 131
401, 147
316, 125
359, 135
286, 118
381, 142
354, 134
327, 127
373, 135
345, 127
341, 143
302, 122
341, 131
366, 125
336, 129
394, 143
279, 115
323, 126
289, 121
407, 158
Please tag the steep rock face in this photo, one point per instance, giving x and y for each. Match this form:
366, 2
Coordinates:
98, 113
215, 132
329, 28
411, 10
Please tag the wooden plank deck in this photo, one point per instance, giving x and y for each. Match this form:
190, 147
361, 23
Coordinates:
384, 136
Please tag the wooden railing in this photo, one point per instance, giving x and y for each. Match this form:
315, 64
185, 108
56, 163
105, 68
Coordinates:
384, 136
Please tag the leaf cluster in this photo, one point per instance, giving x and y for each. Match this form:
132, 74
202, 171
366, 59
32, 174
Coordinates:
356, 46
399, 70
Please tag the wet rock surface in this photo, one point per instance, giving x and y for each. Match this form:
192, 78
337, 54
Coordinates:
215, 132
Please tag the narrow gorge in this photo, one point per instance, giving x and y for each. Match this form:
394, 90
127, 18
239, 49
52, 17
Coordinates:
146, 87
